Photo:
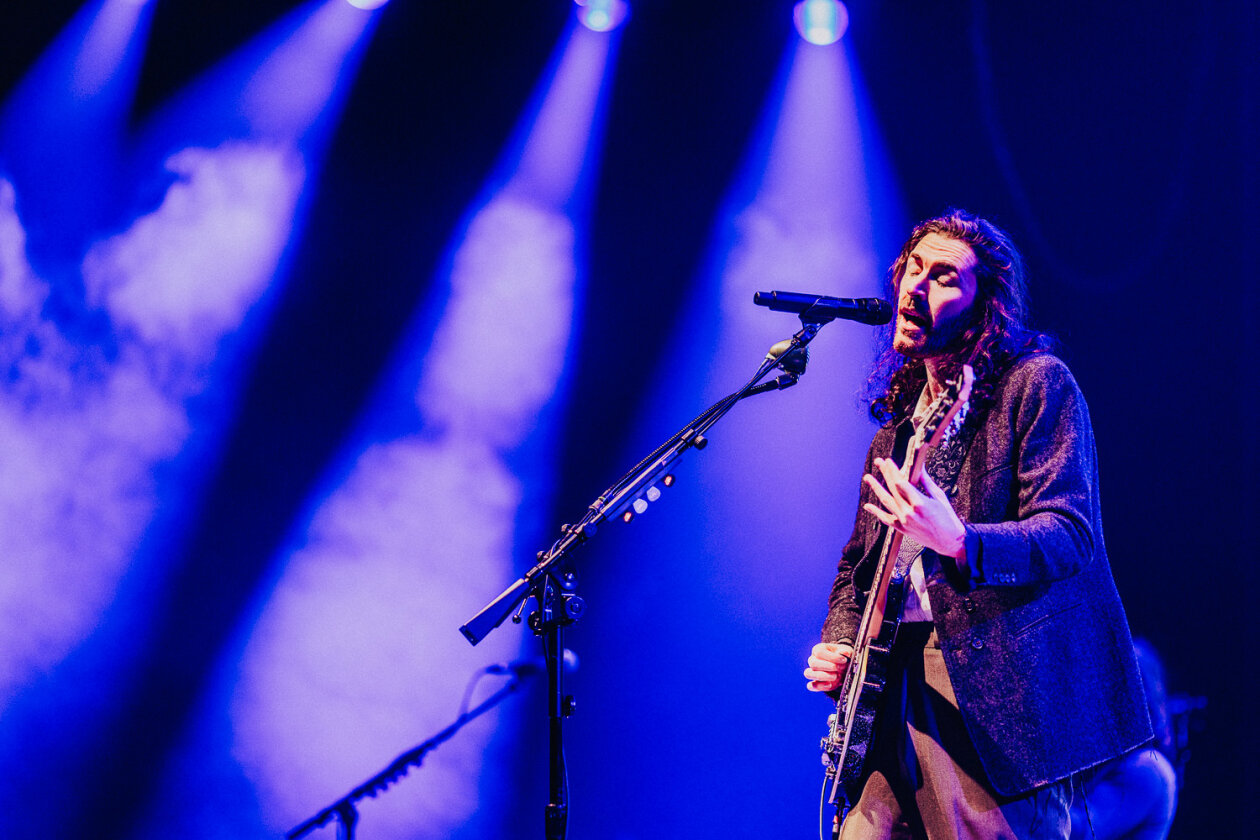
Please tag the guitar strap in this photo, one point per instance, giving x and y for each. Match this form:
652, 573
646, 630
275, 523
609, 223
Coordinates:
945, 462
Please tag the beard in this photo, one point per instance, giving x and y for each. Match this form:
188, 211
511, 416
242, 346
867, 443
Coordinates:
941, 338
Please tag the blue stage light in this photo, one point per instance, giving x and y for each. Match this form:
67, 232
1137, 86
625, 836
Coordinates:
821, 22
367, 4
602, 15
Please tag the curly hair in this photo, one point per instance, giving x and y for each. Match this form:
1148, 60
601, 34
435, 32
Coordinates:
996, 335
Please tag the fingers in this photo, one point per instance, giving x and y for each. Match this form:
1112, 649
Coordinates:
900, 493
897, 482
837, 653
933, 489
880, 514
816, 675
823, 680
921, 511
890, 503
899, 498
827, 664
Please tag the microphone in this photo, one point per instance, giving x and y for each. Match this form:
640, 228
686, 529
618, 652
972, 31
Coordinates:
872, 311
534, 665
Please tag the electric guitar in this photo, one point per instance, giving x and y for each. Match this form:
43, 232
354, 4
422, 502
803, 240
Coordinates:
850, 728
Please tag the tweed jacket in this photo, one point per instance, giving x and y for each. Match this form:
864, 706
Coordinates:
1035, 639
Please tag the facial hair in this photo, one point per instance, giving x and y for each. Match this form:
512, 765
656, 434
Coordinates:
942, 337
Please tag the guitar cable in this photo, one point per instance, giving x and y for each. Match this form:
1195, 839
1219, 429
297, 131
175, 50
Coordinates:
822, 808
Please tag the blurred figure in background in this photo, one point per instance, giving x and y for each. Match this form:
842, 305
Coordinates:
1135, 796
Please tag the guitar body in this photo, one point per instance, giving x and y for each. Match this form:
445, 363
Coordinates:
853, 724
852, 727
871, 678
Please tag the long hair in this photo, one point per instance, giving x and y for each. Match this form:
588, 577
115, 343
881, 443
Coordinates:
996, 335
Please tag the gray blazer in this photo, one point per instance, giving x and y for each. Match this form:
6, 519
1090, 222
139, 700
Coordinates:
1035, 641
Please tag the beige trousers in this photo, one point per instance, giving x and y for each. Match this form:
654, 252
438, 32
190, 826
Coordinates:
926, 781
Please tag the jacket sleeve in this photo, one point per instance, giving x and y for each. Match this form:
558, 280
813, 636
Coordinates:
844, 610
1052, 481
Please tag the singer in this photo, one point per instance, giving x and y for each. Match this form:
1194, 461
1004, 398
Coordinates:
1013, 668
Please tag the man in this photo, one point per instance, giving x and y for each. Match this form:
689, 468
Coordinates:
1013, 668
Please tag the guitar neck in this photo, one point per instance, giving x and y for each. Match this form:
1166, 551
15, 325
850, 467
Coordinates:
844, 749
878, 601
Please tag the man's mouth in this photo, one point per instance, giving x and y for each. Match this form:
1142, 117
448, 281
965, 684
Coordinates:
915, 318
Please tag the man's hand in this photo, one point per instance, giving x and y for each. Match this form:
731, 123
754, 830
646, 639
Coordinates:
827, 664
922, 513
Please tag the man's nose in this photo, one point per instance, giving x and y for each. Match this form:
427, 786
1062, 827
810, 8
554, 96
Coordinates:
917, 288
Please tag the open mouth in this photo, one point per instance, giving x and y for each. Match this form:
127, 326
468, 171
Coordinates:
915, 319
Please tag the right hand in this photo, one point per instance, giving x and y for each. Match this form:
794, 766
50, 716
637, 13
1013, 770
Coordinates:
827, 664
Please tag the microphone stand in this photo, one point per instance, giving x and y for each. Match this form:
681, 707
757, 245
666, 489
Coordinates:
557, 603
343, 809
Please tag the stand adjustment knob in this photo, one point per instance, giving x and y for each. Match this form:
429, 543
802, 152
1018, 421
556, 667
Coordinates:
701, 442
574, 606
568, 706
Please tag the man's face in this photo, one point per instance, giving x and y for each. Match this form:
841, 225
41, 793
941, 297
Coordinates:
935, 296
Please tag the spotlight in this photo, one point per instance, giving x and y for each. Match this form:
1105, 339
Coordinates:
602, 15
821, 22
368, 5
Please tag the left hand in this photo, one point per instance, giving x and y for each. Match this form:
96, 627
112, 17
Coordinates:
922, 513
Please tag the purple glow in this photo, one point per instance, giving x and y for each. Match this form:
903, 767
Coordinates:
85, 431
97, 431
367, 5
809, 227
74, 491
355, 655
107, 42
76, 486
283, 87
516, 258
186, 274
63, 126
742, 548
301, 77
85, 435
555, 147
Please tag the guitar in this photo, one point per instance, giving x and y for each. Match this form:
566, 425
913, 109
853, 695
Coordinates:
850, 728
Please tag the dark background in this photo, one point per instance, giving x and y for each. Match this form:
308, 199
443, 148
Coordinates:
1117, 142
